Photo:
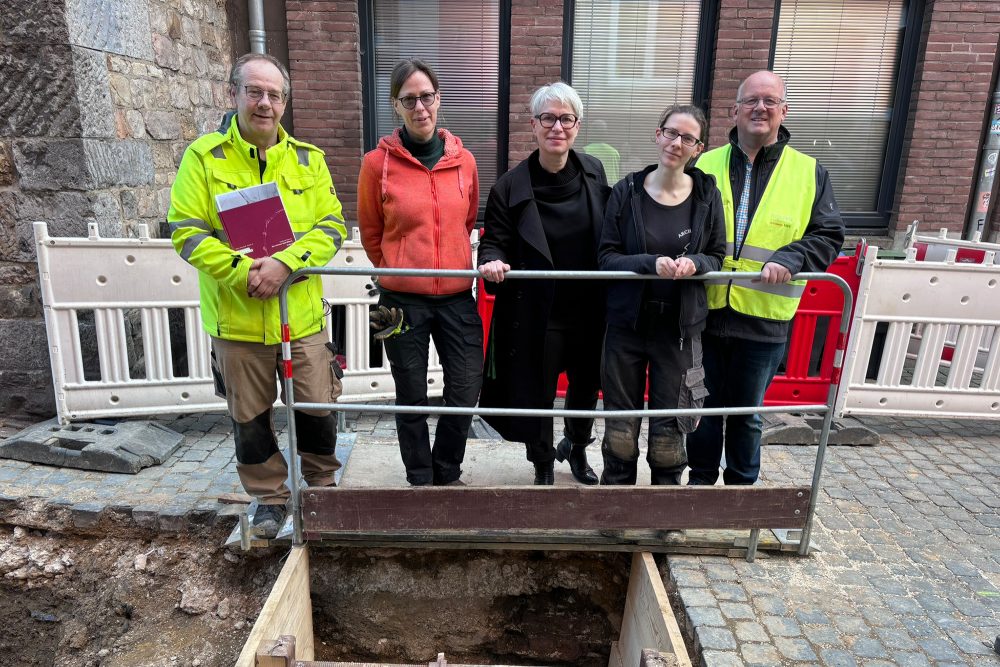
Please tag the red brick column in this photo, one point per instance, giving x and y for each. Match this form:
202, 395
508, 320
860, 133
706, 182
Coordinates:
325, 65
535, 59
950, 103
742, 47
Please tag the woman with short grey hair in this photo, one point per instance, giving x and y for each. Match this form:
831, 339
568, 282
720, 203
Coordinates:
546, 214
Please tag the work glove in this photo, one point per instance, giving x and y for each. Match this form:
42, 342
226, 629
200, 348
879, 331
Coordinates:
386, 322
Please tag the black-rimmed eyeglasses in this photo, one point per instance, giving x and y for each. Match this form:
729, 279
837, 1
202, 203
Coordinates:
257, 94
409, 102
670, 135
769, 102
548, 120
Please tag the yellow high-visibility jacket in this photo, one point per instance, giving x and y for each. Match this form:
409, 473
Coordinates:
221, 162
781, 218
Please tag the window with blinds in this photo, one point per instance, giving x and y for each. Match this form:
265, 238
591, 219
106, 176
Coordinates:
460, 40
631, 60
839, 60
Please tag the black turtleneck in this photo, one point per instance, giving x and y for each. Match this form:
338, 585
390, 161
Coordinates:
427, 152
564, 210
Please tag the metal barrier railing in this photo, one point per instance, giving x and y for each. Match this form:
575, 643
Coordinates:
826, 409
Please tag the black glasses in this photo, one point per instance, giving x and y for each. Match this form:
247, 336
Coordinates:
548, 120
410, 101
670, 135
769, 102
257, 94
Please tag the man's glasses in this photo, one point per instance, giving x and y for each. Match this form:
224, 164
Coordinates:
769, 102
670, 135
548, 120
257, 94
410, 101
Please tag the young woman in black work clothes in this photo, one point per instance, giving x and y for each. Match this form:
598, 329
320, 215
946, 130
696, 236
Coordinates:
666, 220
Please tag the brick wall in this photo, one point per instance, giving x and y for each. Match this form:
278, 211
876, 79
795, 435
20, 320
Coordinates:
742, 47
535, 60
952, 91
325, 64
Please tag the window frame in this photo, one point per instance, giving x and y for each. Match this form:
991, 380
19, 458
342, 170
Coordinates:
877, 221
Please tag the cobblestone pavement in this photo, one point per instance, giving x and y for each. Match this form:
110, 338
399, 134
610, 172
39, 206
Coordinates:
909, 567
908, 570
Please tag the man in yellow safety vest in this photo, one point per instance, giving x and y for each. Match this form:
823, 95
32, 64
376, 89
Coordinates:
781, 219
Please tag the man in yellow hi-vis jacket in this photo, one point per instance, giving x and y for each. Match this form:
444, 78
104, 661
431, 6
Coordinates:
781, 219
238, 305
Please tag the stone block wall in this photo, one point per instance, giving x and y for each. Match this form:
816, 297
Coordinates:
99, 99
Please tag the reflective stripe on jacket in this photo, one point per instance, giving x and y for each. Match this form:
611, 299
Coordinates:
221, 162
781, 217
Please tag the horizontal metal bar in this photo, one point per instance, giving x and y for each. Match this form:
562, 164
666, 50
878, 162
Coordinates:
129, 305
930, 320
526, 412
546, 275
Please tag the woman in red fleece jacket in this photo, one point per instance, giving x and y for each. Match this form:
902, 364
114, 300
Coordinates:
418, 196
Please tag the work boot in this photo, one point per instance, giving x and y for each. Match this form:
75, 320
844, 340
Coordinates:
619, 472
268, 520
665, 476
577, 455
545, 474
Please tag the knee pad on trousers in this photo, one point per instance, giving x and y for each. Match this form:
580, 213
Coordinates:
255, 441
316, 435
666, 450
621, 440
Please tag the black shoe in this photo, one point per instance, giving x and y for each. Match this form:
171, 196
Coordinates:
545, 474
577, 455
268, 520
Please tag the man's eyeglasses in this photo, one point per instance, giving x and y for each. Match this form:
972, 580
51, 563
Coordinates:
670, 135
548, 120
257, 94
410, 101
769, 102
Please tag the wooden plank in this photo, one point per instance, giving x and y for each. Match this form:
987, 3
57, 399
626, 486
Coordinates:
552, 508
615, 659
276, 653
648, 620
287, 611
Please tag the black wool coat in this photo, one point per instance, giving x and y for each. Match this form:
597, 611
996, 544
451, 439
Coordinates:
512, 375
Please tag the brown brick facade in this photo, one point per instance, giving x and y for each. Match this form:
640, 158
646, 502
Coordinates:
952, 90
325, 65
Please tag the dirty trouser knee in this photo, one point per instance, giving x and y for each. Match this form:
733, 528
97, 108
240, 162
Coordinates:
261, 467
666, 455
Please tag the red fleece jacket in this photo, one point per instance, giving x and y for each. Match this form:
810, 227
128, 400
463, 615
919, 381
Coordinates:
414, 217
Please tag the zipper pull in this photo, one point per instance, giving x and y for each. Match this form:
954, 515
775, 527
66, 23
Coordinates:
682, 343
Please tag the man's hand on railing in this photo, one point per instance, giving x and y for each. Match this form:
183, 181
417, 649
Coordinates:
494, 271
386, 322
774, 273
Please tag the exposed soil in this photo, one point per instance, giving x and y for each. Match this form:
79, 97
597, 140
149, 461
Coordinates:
176, 600
478, 607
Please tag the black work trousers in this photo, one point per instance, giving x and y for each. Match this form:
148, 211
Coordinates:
566, 350
454, 325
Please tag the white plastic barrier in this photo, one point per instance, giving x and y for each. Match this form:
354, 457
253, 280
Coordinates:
931, 297
144, 278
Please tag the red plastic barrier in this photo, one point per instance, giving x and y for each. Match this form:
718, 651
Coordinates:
798, 385
802, 382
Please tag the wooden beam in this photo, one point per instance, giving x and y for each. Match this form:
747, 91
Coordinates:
648, 620
276, 653
552, 508
287, 611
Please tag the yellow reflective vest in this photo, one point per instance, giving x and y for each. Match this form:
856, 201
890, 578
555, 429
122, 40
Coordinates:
221, 162
781, 218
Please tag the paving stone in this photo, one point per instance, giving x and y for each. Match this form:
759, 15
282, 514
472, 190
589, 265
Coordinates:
939, 650
851, 625
707, 616
759, 654
729, 591
715, 638
836, 658
751, 631
721, 659
736, 610
896, 639
782, 627
866, 647
795, 649
822, 635
770, 605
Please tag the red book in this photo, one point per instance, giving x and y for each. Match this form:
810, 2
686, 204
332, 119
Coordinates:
255, 220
